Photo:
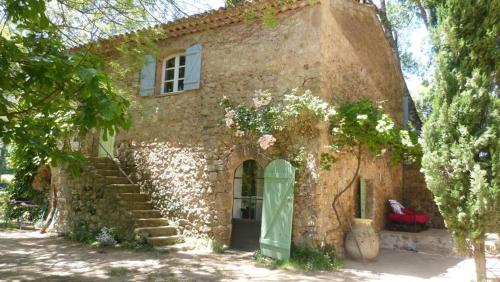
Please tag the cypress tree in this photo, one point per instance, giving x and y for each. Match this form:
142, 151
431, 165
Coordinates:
460, 139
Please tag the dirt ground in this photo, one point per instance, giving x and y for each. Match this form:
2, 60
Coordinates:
28, 256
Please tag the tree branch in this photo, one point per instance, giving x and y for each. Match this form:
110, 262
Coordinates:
423, 13
354, 177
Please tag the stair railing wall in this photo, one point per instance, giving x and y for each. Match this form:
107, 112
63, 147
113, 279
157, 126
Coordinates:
117, 164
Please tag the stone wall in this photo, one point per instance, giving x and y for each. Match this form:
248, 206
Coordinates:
357, 63
417, 196
85, 206
182, 156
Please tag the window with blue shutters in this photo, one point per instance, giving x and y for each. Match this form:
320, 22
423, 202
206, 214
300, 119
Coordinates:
177, 73
173, 74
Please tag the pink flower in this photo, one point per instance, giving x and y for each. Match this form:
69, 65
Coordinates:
266, 141
229, 118
262, 98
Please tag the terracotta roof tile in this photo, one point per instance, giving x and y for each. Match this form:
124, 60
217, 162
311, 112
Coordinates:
217, 18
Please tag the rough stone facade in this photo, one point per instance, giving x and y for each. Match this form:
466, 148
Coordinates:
417, 196
185, 159
85, 206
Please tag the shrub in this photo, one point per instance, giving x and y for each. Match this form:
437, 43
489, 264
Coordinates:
25, 163
81, 232
304, 258
106, 237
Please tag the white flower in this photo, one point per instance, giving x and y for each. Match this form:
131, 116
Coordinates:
384, 124
362, 117
331, 112
266, 141
262, 98
257, 102
307, 92
239, 133
405, 138
230, 114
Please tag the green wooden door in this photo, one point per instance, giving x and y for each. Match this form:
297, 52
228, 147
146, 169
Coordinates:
107, 145
277, 210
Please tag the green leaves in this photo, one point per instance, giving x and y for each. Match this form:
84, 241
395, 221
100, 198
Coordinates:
50, 96
460, 139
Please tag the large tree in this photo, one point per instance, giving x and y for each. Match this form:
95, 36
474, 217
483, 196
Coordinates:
58, 82
460, 142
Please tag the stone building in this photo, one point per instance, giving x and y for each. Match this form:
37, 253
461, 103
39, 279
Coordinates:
193, 169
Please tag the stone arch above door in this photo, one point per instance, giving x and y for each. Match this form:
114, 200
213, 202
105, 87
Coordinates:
239, 155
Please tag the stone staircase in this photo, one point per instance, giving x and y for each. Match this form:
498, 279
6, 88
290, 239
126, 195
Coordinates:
432, 241
148, 221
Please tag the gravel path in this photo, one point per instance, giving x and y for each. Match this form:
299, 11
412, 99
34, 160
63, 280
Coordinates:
28, 255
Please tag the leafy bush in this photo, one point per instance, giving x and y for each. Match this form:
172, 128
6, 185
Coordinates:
217, 247
4, 198
81, 232
106, 237
304, 258
25, 163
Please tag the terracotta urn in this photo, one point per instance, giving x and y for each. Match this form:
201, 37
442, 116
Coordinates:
368, 240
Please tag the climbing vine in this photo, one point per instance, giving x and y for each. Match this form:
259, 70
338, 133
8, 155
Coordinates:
352, 126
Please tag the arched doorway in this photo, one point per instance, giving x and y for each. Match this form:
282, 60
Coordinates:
247, 206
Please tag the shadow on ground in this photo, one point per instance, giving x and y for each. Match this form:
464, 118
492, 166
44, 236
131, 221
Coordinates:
28, 255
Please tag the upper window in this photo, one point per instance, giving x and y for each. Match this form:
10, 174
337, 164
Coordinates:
173, 74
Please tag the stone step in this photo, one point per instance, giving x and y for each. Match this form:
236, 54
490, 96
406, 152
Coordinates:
134, 197
433, 241
117, 180
124, 188
157, 231
151, 222
146, 213
100, 160
165, 240
105, 166
109, 172
180, 247
131, 205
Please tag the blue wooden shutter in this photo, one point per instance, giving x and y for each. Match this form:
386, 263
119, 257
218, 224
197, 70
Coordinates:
148, 76
193, 67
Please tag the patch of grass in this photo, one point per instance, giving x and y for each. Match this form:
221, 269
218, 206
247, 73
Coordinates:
305, 259
217, 247
4, 200
135, 246
8, 225
81, 232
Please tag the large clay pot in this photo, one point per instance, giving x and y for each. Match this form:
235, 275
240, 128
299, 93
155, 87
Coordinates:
367, 239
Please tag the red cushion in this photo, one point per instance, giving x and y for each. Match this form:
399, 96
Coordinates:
409, 218
408, 211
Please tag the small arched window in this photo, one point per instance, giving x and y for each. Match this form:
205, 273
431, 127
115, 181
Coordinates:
173, 74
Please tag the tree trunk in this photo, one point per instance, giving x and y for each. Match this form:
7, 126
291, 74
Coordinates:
354, 177
480, 260
52, 208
